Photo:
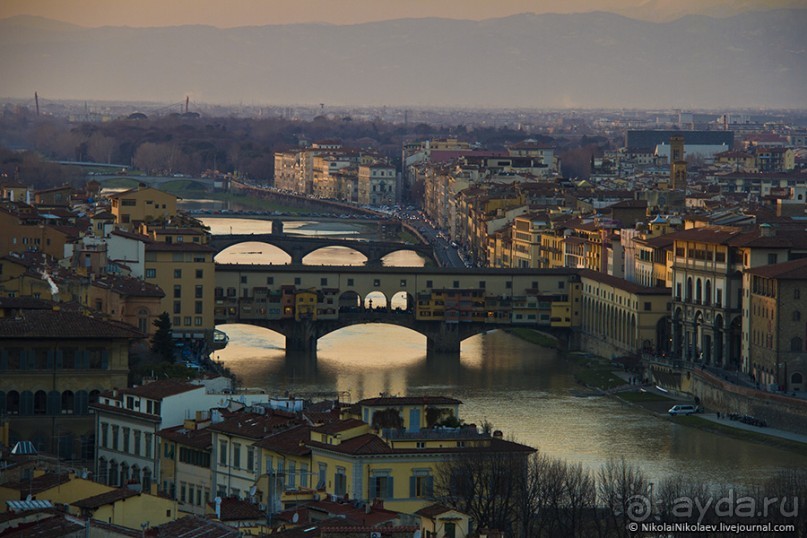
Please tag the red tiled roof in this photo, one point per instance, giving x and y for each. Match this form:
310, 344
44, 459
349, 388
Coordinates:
339, 426
49, 324
40, 483
102, 499
253, 425
792, 270
433, 510
622, 284
233, 509
291, 441
193, 527
200, 439
361, 445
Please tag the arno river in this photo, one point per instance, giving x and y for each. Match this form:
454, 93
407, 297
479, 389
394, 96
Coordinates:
524, 390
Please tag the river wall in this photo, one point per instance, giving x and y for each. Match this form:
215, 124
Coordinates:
720, 395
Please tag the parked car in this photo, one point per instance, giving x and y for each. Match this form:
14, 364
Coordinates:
683, 409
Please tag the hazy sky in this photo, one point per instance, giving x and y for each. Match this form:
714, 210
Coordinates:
230, 13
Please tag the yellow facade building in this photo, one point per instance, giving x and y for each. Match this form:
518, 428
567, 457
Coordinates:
142, 204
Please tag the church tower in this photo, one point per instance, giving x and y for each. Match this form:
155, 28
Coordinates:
678, 166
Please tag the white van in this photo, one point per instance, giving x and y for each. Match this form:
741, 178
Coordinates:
683, 409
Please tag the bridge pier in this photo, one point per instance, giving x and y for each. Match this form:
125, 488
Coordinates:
445, 340
301, 339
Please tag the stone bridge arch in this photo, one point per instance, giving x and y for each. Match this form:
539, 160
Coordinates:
299, 247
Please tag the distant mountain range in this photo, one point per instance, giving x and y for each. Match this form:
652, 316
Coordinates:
586, 60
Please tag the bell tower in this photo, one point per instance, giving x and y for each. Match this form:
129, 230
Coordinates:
678, 166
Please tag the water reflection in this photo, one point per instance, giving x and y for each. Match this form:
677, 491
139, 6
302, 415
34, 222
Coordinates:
525, 390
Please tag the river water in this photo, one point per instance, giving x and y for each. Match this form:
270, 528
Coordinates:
524, 390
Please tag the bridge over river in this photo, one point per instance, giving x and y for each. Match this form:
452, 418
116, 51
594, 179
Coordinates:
298, 247
447, 305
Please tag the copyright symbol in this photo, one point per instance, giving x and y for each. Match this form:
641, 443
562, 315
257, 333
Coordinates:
638, 508
633, 526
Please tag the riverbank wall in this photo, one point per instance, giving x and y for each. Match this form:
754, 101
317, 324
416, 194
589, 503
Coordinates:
720, 395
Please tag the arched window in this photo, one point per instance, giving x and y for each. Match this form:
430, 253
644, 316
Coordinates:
13, 402
40, 402
796, 315
698, 291
689, 289
707, 295
143, 320
113, 473
102, 470
68, 402
796, 378
124, 474
795, 344
146, 479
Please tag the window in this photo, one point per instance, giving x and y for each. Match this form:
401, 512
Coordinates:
105, 435
797, 293
197, 321
796, 315
177, 291
199, 292
291, 482
381, 485
429, 284
795, 344
508, 285
243, 279
126, 439
323, 469
250, 459
350, 282
772, 259
151, 273
177, 307
187, 320
115, 430
482, 284
297, 281
340, 482
270, 280
647, 306
198, 306
456, 283
376, 282
200, 273
223, 453
421, 484
304, 475
137, 434
323, 281
237, 455
149, 441
177, 273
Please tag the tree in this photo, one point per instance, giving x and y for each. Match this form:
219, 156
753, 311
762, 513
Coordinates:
162, 342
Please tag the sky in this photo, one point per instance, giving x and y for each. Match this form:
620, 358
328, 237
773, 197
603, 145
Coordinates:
234, 13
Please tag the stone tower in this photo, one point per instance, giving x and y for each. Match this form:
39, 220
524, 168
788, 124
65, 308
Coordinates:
678, 166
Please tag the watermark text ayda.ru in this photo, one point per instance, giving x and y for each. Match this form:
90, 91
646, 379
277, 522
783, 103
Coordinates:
642, 508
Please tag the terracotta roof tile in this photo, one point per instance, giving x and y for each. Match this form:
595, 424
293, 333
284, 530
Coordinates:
792, 270
62, 324
102, 499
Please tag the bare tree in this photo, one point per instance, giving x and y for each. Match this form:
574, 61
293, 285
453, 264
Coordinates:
100, 147
623, 494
